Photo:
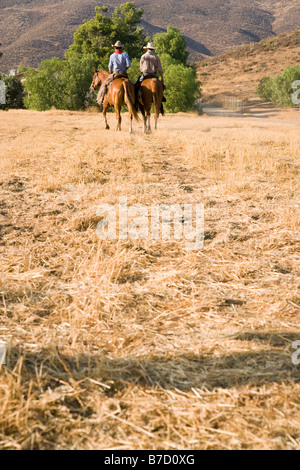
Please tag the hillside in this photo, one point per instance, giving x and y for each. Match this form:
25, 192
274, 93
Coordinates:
33, 30
238, 72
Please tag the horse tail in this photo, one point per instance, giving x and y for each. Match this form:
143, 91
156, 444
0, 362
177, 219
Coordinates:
129, 100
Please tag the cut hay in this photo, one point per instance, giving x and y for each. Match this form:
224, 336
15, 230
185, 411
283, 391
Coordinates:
142, 344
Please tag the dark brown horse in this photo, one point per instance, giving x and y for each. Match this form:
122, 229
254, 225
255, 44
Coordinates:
121, 92
152, 93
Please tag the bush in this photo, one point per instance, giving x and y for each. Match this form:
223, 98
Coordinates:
279, 89
60, 84
45, 87
77, 78
134, 70
182, 88
172, 43
14, 93
167, 60
264, 89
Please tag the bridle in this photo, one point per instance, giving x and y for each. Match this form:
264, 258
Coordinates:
93, 82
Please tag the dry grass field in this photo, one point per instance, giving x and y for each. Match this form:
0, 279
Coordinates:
131, 344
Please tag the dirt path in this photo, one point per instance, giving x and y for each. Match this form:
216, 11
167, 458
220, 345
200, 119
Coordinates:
256, 112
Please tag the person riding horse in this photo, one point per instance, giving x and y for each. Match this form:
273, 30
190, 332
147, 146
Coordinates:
150, 66
119, 63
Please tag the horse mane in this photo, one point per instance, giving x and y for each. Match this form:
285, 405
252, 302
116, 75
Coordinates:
103, 72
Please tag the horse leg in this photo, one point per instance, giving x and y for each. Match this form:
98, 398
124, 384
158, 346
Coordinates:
119, 118
131, 119
149, 122
156, 116
144, 117
145, 124
105, 108
156, 102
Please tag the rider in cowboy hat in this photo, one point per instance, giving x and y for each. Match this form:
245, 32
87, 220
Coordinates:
119, 63
150, 64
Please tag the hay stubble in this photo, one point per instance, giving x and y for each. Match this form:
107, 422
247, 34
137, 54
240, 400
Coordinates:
142, 344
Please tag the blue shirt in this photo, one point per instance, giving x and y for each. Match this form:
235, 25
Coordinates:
119, 62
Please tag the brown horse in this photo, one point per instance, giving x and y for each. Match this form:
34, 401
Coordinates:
121, 92
151, 94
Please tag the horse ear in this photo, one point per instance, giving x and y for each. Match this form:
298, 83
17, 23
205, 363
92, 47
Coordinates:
94, 70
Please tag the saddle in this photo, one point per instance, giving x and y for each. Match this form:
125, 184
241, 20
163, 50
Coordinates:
114, 77
150, 75
147, 75
120, 75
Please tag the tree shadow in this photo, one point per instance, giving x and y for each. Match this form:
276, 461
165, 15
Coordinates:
182, 372
277, 339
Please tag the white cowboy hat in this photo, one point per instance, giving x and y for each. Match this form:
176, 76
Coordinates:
150, 45
118, 45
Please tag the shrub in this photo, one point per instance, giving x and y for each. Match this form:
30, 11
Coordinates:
173, 44
279, 89
14, 93
60, 84
182, 88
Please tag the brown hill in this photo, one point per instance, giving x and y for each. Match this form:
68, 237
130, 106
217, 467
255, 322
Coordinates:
238, 72
32, 30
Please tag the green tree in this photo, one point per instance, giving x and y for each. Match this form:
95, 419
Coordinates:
77, 78
96, 36
173, 44
60, 84
167, 60
264, 88
22, 69
134, 70
14, 92
45, 88
278, 89
182, 88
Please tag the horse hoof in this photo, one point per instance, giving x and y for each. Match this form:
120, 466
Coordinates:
107, 127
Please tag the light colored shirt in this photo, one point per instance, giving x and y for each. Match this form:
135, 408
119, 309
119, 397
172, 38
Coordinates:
119, 62
150, 63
